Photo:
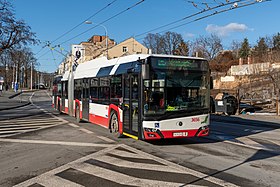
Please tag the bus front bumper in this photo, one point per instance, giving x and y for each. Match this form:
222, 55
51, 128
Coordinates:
154, 134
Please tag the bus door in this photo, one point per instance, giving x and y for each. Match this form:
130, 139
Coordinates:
85, 99
131, 104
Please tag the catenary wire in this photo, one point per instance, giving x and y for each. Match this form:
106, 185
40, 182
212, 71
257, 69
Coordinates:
93, 15
187, 17
197, 19
134, 5
84, 21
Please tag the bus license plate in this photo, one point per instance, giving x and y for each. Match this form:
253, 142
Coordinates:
178, 134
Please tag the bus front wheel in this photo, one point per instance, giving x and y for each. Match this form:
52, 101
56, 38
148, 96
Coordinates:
114, 125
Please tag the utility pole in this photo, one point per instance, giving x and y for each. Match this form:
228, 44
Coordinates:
16, 82
31, 76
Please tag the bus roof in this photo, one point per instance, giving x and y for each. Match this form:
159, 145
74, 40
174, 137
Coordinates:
92, 67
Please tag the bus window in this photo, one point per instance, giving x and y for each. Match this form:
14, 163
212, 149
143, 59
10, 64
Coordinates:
77, 89
59, 89
104, 89
93, 89
116, 89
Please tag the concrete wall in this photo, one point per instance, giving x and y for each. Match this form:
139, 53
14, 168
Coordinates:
249, 69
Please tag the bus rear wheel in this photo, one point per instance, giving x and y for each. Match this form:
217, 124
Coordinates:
114, 125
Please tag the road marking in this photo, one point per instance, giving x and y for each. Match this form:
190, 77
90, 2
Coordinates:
243, 145
245, 141
85, 130
48, 175
48, 94
45, 111
27, 120
117, 170
73, 125
30, 98
277, 143
106, 139
82, 144
125, 179
22, 128
188, 170
56, 181
248, 141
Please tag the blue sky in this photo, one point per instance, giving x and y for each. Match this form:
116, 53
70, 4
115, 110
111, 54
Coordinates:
50, 19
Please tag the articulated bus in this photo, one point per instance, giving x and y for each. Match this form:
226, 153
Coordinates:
143, 96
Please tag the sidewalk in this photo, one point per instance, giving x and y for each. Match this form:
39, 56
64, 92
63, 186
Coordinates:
258, 120
7, 103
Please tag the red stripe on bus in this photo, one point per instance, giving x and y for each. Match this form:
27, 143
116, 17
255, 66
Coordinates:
99, 120
204, 132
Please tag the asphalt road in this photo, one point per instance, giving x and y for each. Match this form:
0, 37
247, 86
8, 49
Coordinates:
39, 147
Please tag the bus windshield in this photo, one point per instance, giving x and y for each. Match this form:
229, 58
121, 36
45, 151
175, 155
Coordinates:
177, 86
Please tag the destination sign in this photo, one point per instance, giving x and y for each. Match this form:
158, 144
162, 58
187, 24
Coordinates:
179, 64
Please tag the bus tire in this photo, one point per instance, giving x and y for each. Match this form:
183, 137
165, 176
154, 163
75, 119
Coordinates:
114, 124
78, 118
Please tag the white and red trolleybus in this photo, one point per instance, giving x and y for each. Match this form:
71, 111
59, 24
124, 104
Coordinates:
141, 96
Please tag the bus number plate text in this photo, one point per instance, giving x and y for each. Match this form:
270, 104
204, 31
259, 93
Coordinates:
178, 134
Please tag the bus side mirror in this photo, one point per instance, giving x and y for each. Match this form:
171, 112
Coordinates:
145, 71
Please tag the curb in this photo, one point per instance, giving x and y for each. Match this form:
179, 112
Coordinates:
15, 95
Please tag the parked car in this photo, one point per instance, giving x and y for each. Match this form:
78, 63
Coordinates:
244, 108
39, 86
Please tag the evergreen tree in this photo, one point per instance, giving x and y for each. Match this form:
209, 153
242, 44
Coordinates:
245, 49
261, 49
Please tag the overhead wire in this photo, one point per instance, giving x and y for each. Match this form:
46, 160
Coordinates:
134, 5
217, 12
187, 17
54, 58
90, 17
85, 20
199, 18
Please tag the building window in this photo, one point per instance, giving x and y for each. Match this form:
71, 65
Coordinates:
124, 49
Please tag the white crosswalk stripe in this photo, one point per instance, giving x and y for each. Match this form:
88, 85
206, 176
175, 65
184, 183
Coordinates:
123, 165
26, 124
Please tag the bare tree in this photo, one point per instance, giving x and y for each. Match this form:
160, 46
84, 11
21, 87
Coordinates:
235, 47
13, 32
154, 42
23, 61
182, 49
168, 43
208, 46
172, 42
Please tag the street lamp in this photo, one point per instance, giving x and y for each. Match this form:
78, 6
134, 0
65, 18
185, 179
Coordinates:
106, 35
